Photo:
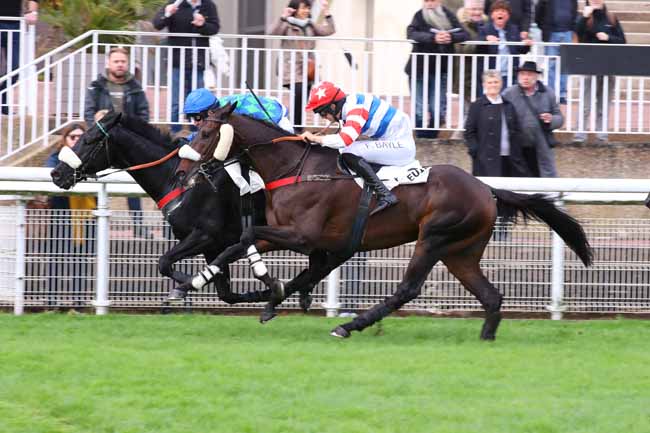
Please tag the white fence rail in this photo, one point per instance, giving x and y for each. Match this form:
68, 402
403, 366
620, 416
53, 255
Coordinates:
59, 259
50, 91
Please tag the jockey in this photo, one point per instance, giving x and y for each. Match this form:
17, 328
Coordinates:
390, 131
200, 101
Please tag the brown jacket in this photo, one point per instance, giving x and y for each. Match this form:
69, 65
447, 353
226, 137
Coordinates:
285, 29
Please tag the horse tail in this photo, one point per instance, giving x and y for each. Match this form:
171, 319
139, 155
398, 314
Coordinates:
542, 208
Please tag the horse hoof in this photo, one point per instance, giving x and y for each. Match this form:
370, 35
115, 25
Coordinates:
340, 332
305, 302
176, 295
266, 316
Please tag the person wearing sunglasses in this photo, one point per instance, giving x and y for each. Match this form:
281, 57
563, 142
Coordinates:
200, 101
71, 231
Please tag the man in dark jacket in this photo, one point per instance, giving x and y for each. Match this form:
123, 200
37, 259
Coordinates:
557, 20
187, 16
435, 30
520, 14
119, 91
12, 8
492, 133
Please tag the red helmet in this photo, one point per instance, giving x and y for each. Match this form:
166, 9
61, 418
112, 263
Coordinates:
324, 93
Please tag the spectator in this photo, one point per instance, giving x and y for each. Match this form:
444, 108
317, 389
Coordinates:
471, 17
520, 14
500, 29
538, 114
434, 29
119, 91
72, 230
597, 25
492, 133
12, 8
557, 20
295, 21
188, 16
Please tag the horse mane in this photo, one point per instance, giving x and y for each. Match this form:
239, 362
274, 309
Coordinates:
145, 130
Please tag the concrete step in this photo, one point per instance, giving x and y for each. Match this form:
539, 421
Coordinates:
637, 38
633, 15
636, 26
626, 5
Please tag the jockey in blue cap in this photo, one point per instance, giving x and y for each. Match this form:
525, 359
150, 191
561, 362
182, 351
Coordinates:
200, 101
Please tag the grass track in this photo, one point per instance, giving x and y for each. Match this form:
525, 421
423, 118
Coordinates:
204, 374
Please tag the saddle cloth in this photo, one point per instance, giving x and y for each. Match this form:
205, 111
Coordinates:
394, 175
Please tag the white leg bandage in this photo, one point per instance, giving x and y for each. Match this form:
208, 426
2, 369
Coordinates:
203, 277
257, 265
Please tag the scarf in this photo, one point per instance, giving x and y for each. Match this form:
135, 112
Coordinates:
298, 22
436, 18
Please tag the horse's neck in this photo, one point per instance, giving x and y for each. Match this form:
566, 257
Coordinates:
135, 150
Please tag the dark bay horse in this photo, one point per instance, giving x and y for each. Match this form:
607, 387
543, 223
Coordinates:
450, 217
204, 222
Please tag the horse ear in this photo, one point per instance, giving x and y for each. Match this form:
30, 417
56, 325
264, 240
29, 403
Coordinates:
232, 108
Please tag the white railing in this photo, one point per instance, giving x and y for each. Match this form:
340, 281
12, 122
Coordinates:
530, 264
50, 91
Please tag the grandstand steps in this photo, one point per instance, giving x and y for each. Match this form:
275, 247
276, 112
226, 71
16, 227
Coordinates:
642, 27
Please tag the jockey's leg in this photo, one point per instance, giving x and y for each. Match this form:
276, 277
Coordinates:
385, 198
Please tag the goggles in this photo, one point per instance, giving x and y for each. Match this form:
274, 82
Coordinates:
197, 117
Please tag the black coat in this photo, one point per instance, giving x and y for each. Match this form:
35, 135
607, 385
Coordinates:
181, 22
421, 32
521, 12
483, 138
600, 21
544, 13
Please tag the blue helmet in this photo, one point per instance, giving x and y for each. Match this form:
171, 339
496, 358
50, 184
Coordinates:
200, 100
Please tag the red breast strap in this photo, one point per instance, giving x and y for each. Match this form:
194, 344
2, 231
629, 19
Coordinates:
171, 195
282, 182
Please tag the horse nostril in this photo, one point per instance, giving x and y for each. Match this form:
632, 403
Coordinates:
55, 175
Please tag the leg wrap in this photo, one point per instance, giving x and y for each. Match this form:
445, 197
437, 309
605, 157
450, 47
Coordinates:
256, 263
204, 277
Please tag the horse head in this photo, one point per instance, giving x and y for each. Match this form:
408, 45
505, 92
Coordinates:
207, 139
89, 155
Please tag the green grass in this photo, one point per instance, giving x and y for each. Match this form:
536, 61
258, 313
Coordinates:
201, 374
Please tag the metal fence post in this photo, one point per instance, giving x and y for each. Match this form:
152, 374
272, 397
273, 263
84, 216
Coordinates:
102, 213
333, 285
557, 306
19, 284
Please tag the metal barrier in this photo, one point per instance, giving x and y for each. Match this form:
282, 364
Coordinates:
46, 262
50, 91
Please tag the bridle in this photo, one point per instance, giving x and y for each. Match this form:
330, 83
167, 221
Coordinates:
79, 174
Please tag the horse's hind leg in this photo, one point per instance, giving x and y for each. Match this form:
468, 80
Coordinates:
466, 269
424, 257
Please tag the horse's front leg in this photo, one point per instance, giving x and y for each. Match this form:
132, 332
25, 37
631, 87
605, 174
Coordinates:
194, 243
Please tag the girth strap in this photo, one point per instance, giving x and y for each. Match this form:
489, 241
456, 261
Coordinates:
171, 195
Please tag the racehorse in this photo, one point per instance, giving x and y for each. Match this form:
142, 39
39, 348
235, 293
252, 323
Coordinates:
204, 222
311, 207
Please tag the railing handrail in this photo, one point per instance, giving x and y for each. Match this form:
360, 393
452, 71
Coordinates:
42, 58
4, 18
25, 175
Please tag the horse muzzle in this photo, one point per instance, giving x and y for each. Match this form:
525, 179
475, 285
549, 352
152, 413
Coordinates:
63, 176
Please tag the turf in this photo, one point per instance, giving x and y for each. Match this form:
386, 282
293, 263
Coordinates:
196, 373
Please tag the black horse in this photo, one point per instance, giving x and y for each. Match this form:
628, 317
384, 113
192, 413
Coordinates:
451, 218
204, 222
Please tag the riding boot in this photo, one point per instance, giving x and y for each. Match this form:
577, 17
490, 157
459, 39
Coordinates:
385, 198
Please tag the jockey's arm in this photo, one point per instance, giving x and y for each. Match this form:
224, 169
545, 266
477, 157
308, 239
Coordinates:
354, 122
